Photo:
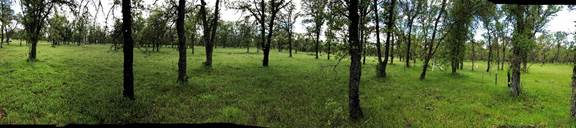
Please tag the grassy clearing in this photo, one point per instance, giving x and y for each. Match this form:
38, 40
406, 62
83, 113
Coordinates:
71, 84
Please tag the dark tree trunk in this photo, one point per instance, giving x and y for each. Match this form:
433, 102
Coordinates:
392, 44
503, 55
263, 33
409, 42
328, 52
364, 46
489, 51
381, 68
182, 78
290, 42
2, 40
317, 40
209, 31
557, 56
128, 49
355, 66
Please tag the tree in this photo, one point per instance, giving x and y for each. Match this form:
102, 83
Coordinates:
458, 32
316, 10
487, 12
57, 29
355, 50
559, 38
128, 49
412, 8
35, 15
182, 78
209, 29
289, 19
6, 16
431, 49
520, 44
258, 11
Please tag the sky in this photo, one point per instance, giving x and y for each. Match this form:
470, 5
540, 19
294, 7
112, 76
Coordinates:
563, 21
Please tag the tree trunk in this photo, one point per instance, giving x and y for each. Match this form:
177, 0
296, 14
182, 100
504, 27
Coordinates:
503, 55
127, 49
290, 42
2, 33
328, 52
182, 78
392, 44
473, 54
489, 51
317, 39
270, 34
263, 33
209, 31
381, 68
409, 42
557, 56
430, 46
355, 66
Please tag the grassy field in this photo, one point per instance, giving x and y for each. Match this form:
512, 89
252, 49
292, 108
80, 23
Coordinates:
71, 84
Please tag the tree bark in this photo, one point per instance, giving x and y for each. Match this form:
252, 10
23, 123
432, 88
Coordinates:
381, 68
127, 49
182, 78
355, 66
209, 31
489, 50
317, 39
290, 39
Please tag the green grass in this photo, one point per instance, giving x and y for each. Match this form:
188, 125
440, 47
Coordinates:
70, 84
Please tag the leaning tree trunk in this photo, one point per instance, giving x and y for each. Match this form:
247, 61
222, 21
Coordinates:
182, 78
128, 49
430, 45
355, 66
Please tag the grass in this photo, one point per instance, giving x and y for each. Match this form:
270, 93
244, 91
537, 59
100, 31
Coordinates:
71, 84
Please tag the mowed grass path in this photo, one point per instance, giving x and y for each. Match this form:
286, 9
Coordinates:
71, 84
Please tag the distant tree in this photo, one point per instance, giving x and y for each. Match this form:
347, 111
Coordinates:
459, 29
128, 49
487, 12
6, 17
412, 9
288, 20
316, 9
57, 28
35, 15
559, 38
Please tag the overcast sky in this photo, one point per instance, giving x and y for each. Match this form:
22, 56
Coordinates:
564, 21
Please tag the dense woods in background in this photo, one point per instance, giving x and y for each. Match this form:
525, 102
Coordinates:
440, 34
